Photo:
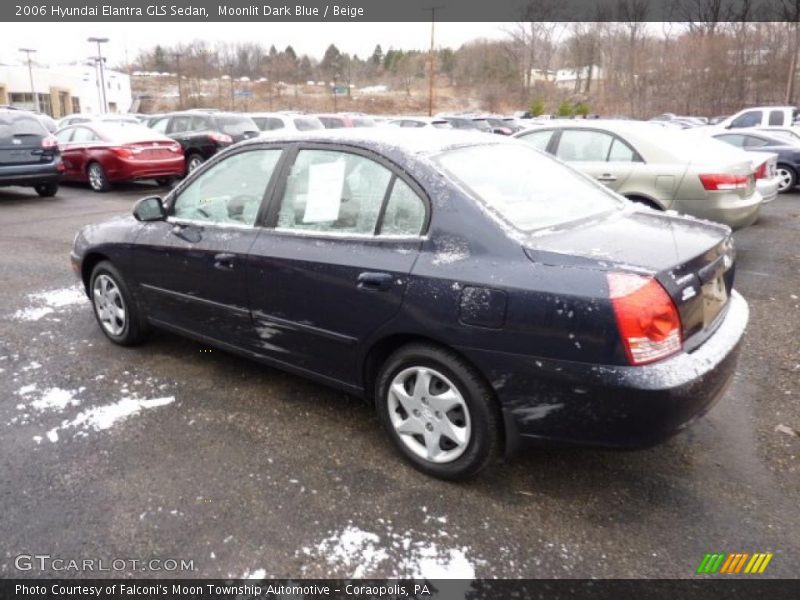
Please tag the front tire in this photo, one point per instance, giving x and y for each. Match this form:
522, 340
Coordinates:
46, 190
98, 180
438, 411
788, 179
114, 307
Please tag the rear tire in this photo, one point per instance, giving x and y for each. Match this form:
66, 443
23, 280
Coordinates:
98, 180
114, 307
446, 424
46, 190
193, 161
788, 179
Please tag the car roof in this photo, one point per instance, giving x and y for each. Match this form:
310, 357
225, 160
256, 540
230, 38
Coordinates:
383, 140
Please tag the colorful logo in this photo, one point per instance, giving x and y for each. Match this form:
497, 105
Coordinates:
735, 563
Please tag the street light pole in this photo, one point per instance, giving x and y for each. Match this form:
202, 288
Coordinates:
433, 10
177, 56
30, 51
98, 41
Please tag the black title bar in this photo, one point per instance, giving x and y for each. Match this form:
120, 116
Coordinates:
401, 10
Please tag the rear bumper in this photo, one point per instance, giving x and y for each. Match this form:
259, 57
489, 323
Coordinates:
613, 406
768, 188
27, 175
728, 208
125, 170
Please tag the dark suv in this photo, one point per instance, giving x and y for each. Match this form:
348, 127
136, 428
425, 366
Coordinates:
203, 134
29, 154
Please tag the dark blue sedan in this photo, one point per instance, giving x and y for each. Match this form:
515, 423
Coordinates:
480, 293
787, 149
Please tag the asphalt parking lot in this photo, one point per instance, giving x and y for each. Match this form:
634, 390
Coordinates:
171, 450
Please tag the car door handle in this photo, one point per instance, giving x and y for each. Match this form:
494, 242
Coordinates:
607, 177
224, 261
375, 281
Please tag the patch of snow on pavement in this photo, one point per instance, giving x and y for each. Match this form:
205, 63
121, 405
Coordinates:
104, 417
353, 548
50, 302
257, 574
55, 399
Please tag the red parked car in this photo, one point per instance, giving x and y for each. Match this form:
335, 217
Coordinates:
103, 153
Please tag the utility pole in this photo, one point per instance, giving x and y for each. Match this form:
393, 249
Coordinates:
433, 10
177, 57
100, 61
30, 51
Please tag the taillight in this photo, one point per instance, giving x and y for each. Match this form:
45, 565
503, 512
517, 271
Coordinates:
761, 172
723, 181
647, 319
49, 142
122, 152
175, 148
220, 138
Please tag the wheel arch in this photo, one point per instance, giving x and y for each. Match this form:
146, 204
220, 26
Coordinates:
644, 199
89, 262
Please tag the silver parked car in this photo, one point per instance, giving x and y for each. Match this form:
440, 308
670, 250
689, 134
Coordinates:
657, 166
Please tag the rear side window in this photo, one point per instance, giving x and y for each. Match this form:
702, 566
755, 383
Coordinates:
538, 139
234, 125
405, 212
64, 136
776, 117
181, 124
751, 118
22, 125
333, 191
360, 122
268, 123
583, 146
306, 124
199, 123
332, 122
751, 141
160, 125
733, 139
621, 152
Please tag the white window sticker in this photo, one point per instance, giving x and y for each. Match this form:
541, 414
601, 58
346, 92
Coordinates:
325, 184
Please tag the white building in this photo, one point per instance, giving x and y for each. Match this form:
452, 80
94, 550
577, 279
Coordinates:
577, 80
63, 90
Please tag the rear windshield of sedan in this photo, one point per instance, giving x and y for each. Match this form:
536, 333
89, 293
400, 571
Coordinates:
234, 125
526, 188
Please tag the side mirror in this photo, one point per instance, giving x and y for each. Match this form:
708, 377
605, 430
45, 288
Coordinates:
150, 209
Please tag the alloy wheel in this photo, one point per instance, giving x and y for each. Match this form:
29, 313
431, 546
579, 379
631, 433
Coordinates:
96, 177
109, 305
429, 414
194, 162
785, 179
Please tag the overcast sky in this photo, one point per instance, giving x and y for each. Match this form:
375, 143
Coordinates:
66, 42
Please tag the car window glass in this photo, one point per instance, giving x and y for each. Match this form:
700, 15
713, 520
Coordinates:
199, 123
405, 212
332, 122
181, 124
538, 139
749, 119
734, 139
776, 117
621, 152
83, 135
754, 142
161, 125
331, 191
231, 191
64, 136
583, 146
307, 123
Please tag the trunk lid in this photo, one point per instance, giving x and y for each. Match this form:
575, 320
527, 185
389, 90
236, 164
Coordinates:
692, 259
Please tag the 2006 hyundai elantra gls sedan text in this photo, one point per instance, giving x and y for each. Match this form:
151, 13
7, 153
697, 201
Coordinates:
479, 292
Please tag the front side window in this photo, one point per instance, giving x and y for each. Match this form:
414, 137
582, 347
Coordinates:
181, 124
335, 192
230, 192
307, 124
749, 119
578, 145
528, 189
752, 141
